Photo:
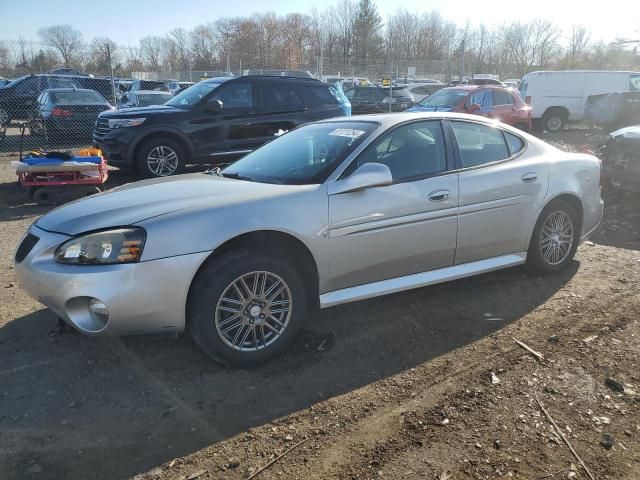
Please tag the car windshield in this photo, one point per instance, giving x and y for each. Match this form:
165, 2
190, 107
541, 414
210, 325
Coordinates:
77, 98
444, 99
303, 156
193, 94
146, 100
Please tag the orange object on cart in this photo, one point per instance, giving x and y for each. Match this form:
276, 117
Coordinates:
90, 152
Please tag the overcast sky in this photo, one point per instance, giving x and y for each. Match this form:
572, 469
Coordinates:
126, 22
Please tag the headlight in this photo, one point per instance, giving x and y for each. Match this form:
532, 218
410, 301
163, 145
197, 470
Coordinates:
125, 122
122, 245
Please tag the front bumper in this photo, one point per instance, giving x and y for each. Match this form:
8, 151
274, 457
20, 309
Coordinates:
144, 297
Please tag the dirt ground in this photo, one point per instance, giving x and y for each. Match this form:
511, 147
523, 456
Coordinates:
395, 387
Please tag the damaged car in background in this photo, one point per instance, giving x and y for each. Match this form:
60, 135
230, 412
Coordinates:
620, 156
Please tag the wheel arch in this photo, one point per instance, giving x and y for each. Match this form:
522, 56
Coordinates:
564, 111
570, 197
171, 134
275, 242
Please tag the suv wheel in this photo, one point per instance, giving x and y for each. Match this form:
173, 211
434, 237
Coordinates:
246, 308
555, 238
159, 157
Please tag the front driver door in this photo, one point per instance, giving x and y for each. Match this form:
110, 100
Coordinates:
407, 227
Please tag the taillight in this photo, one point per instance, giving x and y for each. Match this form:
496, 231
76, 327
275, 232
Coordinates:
527, 100
61, 112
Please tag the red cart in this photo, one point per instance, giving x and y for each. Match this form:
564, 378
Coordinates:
46, 179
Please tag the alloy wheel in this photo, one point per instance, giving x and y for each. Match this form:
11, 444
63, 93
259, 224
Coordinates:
162, 161
253, 311
556, 237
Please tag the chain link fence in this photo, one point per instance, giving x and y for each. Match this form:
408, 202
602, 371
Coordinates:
51, 98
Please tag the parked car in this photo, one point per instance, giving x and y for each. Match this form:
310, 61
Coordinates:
485, 79
148, 85
18, 98
559, 97
144, 98
420, 91
488, 101
379, 99
68, 71
67, 111
612, 111
213, 121
332, 212
512, 83
620, 157
176, 87
3, 81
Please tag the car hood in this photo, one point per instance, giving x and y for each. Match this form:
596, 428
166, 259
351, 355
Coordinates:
140, 111
632, 132
138, 201
418, 108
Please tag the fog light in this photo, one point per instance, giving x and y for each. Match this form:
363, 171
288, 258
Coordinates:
98, 307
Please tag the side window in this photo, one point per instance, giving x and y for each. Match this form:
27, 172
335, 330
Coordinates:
29, 86
324, 96
484, 98
421, 90
280, 97
55, 82
479, 144
634, 83
235, 95
502, 98
514, 143
410, 151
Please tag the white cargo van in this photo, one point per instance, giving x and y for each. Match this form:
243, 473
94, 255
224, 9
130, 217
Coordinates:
558, 97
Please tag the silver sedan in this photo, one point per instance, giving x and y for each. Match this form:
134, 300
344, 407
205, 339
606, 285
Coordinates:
332, 212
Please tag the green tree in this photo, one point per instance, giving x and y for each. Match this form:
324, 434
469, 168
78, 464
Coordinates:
367, 41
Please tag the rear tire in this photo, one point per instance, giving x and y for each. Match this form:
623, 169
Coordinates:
43, 196
555, 238
223, 315
160, 157
554, 120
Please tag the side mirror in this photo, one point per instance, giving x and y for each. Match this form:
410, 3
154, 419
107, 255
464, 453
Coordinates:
474, 107
213, 106
366, 176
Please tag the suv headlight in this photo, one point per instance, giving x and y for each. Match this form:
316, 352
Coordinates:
121, 245
125, 122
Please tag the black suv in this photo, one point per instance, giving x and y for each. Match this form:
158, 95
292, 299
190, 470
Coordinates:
18, 99
213, 121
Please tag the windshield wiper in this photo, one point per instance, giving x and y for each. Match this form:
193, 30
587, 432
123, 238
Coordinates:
236, 176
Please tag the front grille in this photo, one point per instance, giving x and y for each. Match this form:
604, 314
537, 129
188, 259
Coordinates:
101, 128
25, 247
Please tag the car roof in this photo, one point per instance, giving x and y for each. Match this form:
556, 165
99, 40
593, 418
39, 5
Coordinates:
389, 119
83, 90
149, 92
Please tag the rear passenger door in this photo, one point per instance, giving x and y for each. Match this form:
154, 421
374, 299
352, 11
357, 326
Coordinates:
502, 185
281, 107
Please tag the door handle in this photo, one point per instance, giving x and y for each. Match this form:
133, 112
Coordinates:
529, 177
439, 195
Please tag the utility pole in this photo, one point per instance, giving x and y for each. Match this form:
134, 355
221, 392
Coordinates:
113, 82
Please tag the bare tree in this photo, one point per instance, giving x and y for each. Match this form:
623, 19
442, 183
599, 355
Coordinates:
151, 49
103, 53
578, 43
65, 39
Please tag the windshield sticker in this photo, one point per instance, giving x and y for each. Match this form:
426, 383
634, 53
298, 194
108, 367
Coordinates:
347, 133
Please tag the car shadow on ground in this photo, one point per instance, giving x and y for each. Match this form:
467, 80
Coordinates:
71, 403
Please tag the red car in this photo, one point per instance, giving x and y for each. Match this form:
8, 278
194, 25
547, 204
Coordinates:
490, 101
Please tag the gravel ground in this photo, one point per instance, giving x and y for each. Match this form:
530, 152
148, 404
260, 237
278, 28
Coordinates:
395, 387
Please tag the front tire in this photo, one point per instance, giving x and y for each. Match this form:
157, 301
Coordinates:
160, 157
554, 121
245, 308
555, 238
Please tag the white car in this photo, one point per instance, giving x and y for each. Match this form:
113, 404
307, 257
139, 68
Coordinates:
420, 91
331, 212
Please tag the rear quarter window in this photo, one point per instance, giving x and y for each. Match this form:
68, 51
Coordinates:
321, 95
514, 143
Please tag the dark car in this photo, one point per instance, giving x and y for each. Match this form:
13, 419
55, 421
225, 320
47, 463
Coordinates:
18, 98
490, 101
144, 98
65, 112
379, 99
3, 81
67, 71
618, 153
213, 121
149, 85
